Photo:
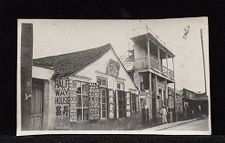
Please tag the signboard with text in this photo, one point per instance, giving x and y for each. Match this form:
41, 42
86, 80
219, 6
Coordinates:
113, 68
94, 101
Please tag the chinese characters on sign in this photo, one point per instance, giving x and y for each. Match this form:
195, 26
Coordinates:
94, 101
111, 104
62, 98
113, 68
65, 99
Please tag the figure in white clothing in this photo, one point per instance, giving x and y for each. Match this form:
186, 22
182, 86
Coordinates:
163, 113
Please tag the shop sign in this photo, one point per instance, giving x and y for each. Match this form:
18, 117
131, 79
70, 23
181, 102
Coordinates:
111, 104
113, 68
94, 101
62, 98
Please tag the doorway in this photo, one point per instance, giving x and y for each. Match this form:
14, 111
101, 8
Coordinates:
36, 110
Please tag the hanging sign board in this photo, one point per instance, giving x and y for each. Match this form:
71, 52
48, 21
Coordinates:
113, 68
94, 101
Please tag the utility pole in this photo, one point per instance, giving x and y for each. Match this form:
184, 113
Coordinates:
203, 56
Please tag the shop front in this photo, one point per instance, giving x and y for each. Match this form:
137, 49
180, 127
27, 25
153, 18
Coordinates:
100, 91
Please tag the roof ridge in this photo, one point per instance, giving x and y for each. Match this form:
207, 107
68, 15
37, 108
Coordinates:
69, 63
103, 46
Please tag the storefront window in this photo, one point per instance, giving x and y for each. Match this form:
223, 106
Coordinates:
82, 101
103, 96
78, 87
79, 101
85, 88
85, 101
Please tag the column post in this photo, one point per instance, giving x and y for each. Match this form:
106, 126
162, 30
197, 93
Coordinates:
173, 67
167, 65
166, 91
159, 60
150, 97
175, 102
148, 52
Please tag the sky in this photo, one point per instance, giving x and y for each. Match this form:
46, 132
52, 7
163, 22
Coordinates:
54, 37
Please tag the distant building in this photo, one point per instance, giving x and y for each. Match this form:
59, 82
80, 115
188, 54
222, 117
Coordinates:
194, 103
203, 103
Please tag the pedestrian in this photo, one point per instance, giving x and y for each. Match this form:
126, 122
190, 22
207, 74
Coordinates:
163, 113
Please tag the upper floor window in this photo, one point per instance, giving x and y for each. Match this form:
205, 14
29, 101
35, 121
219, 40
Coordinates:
103, 82
120, 86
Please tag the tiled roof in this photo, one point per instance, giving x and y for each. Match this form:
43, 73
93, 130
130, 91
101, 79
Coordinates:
70, 63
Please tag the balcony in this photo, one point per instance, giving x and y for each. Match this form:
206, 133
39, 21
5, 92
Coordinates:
142, 63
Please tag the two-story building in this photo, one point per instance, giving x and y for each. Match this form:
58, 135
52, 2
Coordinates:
153, 73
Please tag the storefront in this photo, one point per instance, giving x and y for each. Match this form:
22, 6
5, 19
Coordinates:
82, 87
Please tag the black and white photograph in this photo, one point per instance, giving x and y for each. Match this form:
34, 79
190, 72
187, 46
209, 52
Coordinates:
145, 76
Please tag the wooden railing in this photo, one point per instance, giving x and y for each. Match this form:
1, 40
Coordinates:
171, 73
142, 63
164, 70
154, 63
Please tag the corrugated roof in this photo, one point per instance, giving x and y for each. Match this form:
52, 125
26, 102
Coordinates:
67, 64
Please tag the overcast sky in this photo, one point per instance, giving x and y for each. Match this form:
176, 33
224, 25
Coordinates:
53, 37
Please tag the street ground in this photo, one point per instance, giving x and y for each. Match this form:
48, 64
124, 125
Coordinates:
198, 125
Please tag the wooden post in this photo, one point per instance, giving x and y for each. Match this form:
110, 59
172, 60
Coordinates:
203, 56
166, 90
150, 98
159, 59
148, 53
175, 117
167, 66
156, 94
26, 73
148, 49
173, 67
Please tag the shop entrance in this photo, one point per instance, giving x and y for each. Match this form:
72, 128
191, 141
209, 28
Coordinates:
122, 103
36, 104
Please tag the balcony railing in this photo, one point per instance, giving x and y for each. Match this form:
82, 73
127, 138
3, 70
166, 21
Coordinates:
154, 64
142, 63
171, 73
164, 70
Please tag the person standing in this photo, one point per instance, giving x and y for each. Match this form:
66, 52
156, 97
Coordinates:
163, 113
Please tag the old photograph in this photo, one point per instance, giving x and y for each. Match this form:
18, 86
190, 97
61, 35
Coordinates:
148, 76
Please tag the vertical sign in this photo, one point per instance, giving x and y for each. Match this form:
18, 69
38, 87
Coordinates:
94, 101
111, 104
73, 100
26, 71
128, 104
62, 98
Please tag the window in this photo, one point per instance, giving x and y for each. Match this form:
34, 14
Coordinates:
103, 98
102, 81
120, 86
82, 91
